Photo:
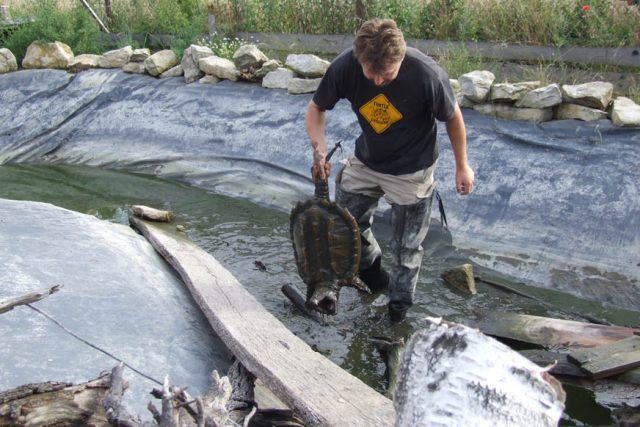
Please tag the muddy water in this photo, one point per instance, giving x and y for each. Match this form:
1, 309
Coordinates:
239, 233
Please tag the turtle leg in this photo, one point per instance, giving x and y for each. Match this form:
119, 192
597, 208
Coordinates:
409, 226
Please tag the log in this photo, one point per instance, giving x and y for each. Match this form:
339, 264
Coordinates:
455, 375
9, 303
316, 389
298, 300
548, 332
152, 214
55, 404
608, 360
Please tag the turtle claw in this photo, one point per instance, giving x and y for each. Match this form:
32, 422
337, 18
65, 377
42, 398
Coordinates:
359, 285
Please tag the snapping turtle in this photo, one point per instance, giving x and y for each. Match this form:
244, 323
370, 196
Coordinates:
326, 243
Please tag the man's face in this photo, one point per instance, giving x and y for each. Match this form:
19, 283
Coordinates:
382, 78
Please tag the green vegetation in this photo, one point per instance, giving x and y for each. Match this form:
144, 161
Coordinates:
180, 21
595, 23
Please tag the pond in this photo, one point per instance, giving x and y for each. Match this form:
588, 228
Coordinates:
239, 233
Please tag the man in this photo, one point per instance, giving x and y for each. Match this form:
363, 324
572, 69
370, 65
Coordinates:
397, 94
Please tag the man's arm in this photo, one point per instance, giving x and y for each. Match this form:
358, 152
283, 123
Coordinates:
458, 136
315, 120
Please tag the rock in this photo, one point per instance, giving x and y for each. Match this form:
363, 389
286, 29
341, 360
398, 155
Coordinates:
625, 112
249, 56
267, 67
207, 79
134, 68
464, 102
139, 55
48, 55
115, 58
160, 62
173, 72
511, 92
278, 79
8, 61
476, 85
543, 97
307, 65
579, 112
84, 62
455, 85
509, 112
298, 86
461, 278
219, 67
594, 94
190, 58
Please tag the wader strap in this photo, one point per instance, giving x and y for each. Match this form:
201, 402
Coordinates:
443, 216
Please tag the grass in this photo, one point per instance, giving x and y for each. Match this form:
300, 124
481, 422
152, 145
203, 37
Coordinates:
595, 23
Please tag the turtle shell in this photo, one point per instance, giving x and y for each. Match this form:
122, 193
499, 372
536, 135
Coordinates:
326, 242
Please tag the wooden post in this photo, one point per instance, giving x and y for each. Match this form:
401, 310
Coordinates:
108, 11
360, 14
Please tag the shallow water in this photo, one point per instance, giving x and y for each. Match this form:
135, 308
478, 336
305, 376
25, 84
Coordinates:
239, 233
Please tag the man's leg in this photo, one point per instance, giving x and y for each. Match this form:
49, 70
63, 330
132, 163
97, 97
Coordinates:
409, 226
362, 208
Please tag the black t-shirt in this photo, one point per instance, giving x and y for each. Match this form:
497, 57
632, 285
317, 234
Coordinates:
398, 121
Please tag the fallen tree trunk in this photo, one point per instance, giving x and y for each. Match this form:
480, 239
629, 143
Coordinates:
454, 375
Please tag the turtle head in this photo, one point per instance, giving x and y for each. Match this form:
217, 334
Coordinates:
323, 298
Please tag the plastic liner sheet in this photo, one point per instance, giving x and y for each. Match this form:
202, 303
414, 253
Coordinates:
556, 204
117, 294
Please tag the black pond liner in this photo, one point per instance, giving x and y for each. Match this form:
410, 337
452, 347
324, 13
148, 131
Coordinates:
556, 204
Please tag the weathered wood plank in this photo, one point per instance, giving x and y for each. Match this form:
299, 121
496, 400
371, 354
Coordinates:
9, 303
319, 391
608, 360
549, 332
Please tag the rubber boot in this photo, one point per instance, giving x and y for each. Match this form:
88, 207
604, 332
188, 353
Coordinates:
409, 226
375, 277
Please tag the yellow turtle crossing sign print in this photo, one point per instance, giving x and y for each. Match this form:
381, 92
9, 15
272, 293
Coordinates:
380, 113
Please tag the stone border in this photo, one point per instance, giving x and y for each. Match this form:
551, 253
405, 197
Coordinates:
302, 73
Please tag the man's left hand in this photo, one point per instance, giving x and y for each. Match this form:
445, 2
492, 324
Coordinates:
464, 180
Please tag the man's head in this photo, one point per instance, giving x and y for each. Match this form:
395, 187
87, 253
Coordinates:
379, 47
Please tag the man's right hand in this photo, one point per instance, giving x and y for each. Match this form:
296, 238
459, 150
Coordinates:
320, 169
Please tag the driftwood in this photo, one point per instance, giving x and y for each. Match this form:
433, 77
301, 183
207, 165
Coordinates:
317, 390
228, 402
152, 214
550, 332
55, 404
298, 300
9, 303
455, 375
